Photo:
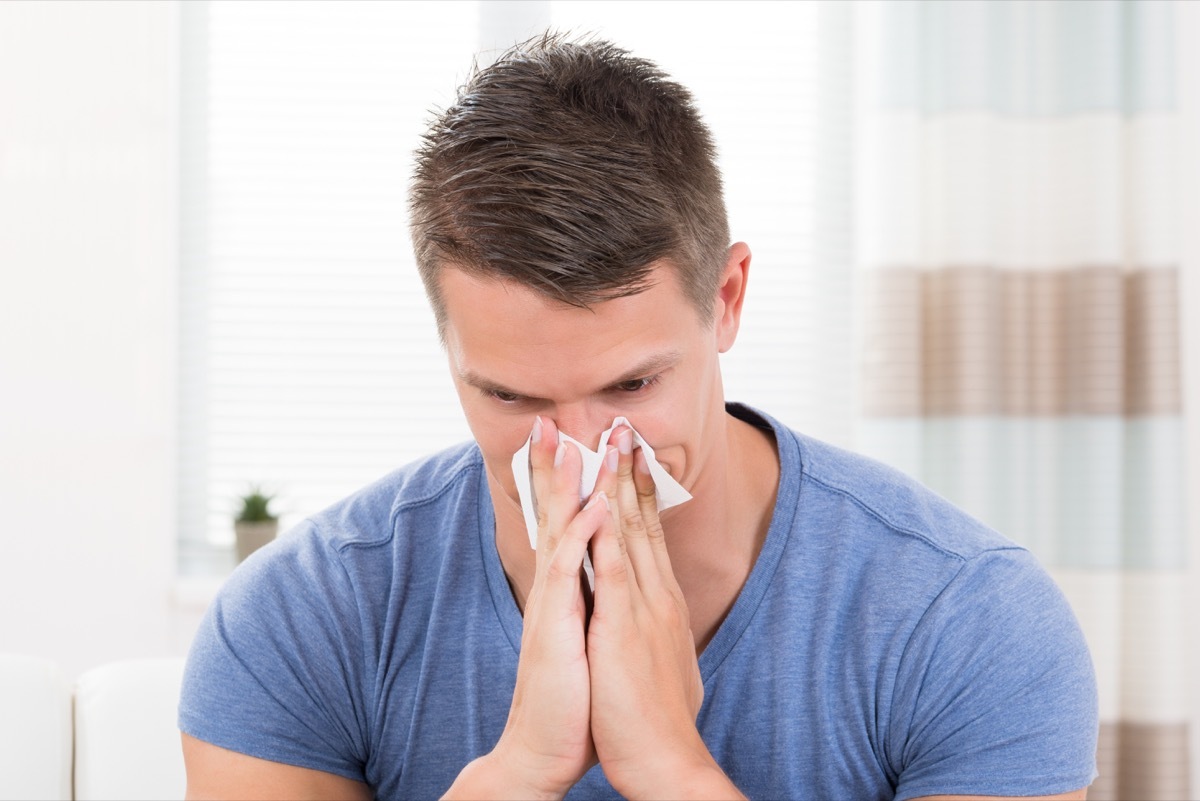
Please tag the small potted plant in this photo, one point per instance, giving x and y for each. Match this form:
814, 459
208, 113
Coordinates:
255, 524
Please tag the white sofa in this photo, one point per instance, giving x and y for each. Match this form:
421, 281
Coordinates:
110, 736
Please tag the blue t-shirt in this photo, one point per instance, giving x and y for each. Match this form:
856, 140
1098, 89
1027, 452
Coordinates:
885, 644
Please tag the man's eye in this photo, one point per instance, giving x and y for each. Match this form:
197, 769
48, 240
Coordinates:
503, 397
635, 384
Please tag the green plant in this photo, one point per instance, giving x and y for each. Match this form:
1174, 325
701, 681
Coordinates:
256, 507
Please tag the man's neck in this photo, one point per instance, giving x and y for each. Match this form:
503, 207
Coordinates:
713, 539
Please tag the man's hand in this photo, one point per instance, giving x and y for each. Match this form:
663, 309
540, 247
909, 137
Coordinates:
546, 746
645, 680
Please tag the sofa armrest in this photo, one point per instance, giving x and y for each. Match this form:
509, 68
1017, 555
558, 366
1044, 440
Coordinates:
126, 738
35, 729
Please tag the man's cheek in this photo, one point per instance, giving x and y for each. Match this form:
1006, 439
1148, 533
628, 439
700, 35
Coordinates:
498, 434
672, 460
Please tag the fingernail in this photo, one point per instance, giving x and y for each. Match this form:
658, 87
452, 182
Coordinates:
599, 496
537, 430
558, 454
625, 442
610, 460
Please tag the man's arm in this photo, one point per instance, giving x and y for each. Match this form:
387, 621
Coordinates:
217, 774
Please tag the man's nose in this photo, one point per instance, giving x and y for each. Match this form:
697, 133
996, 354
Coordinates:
583, 422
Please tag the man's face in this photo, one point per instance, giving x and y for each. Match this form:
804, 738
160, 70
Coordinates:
515, 354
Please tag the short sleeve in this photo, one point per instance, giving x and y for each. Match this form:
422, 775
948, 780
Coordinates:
996, 693
276, 670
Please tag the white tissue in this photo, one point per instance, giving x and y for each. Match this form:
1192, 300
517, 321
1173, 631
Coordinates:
668, 490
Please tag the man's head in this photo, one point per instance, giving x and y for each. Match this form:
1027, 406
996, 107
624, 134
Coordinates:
569, 226
570, 168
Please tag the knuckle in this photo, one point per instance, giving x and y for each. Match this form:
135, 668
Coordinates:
655, 532
646, 489
615, 569
558, 570
674, 616
668, 608
624, 552
632, 522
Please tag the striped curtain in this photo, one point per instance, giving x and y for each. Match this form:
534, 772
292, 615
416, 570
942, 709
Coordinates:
1021, 349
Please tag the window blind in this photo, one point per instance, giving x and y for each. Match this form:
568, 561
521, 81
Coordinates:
309, 358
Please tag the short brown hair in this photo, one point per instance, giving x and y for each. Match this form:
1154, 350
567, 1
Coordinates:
570, 167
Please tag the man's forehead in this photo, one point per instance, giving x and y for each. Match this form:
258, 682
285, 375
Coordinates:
505, 336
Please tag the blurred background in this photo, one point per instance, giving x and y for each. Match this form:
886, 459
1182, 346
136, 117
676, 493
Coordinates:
976, 237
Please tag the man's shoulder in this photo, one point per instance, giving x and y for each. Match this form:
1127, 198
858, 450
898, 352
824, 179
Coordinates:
360, 537
437, 484
839, 482
359, 541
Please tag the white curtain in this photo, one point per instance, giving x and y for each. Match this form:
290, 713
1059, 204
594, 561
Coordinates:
1021, 311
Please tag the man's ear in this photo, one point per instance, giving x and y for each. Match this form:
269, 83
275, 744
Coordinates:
731, 292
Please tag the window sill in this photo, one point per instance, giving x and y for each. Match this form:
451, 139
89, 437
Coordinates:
201, 570
195, 593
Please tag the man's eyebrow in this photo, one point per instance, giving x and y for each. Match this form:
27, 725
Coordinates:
474, 379
651, 366
648, 367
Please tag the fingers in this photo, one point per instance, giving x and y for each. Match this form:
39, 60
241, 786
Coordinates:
564, 530
639, 523
636, 554
556, 467
563, 564
609, 556
648, 503
543, 441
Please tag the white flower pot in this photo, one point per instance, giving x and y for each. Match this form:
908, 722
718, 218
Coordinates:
252, 536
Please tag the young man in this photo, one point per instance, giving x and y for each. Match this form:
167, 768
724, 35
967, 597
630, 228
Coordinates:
808, 625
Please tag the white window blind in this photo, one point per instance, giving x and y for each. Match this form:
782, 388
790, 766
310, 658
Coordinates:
309, 359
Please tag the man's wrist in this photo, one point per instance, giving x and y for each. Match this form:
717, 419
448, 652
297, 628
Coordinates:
694, 775
707, 782
493, 777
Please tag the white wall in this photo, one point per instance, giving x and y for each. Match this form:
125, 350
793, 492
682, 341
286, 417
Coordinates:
87, 331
